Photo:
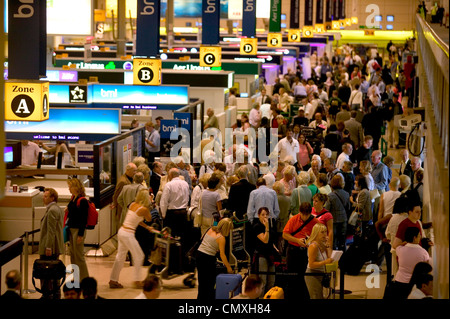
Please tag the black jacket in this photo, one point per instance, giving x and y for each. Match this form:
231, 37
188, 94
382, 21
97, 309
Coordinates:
238, 197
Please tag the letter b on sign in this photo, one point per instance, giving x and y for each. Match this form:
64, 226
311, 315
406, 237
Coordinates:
147, 71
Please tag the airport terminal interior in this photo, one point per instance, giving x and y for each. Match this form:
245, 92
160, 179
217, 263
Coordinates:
227, 126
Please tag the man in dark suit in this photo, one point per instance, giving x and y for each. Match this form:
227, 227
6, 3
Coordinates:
155, 179
13, 282
51, 243
405, 165
240, 193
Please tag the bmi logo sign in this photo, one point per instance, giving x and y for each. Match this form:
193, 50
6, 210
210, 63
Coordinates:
27, 101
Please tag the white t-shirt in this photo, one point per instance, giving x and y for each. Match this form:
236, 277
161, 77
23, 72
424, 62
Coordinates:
287, 148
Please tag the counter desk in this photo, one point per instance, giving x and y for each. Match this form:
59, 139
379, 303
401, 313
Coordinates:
23, 211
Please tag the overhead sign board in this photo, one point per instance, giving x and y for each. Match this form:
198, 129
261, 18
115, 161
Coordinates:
26, 101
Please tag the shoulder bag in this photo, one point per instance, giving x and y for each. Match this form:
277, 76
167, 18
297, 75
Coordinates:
192, 252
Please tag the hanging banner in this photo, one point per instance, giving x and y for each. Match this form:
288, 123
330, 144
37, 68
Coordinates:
329, 11
319, 11
294, 21
336, 11
309, 12
249, 18
342, 7
24, 35
275, 16
147, 28
210, 21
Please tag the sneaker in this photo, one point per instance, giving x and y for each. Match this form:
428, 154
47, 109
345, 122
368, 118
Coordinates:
114, 284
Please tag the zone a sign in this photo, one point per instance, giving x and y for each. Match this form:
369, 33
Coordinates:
249, 46
147, 71
210, 56
27, 101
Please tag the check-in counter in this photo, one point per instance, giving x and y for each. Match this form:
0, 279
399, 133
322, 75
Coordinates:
23, 211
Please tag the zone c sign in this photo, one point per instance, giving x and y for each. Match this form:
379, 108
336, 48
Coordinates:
147, 71
27, 101
210, 56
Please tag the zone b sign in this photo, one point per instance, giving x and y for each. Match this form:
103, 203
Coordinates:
274, 40
249, 46
147, 71
210, 56
27, 101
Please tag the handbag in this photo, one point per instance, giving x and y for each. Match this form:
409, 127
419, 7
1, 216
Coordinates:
326, 280
353, 219
374, 194
191, 252
49, 269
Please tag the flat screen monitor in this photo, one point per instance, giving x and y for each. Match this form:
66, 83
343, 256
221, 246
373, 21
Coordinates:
12, 154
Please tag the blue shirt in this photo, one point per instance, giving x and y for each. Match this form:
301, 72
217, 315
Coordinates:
364, 87
263, 197
380, 174
300, 90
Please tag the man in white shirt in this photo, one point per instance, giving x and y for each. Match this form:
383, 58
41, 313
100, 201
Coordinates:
175, 197
288, 146
318, 122
308, 109
30, 152
347, 150
264, 98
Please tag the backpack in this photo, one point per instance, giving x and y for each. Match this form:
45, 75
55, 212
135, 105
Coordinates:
92, 219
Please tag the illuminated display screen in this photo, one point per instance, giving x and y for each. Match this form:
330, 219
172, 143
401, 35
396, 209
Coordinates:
68, 121
119, 96
8, 152
65, 17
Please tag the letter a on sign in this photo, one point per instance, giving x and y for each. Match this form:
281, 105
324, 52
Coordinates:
249, 46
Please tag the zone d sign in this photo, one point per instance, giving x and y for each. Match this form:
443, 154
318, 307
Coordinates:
249, 46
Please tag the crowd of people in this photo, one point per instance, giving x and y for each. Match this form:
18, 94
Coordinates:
329, 169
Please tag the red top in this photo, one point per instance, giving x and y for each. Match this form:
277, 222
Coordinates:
404, 225
294, 223
324, 218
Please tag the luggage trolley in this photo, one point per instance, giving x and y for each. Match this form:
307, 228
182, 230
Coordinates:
167, 259
238, 255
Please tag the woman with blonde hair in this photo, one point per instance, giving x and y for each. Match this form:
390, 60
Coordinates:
289, 179
75, 221
213, 241
137, 212
319, 254
365, 168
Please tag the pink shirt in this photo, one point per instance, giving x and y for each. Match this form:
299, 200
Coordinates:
408, 257
303, 154
324, 218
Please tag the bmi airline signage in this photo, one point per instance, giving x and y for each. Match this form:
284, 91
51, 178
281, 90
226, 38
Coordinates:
249, 46
147, 71
27, 101
294, 36
274, 40
319, 11
78, 94
27, 39
166, 144
275, 16
249, 18
210, 21
147, 28
210, 56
